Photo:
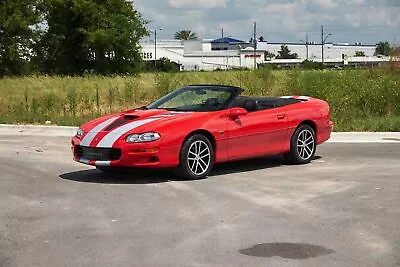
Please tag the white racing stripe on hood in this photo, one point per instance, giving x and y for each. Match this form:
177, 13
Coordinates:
92, 133
113, 136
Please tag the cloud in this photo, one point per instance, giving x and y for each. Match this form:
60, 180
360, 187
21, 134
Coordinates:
280, 8
325, 4
367, 21
206, 4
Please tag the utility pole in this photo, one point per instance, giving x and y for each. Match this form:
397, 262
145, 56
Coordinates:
255, 44
155, 49
222, 32
322, 43
323, 40
307, 45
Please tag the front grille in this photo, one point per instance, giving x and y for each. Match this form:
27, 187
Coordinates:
98, 153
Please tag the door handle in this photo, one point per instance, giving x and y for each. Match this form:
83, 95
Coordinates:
281, 116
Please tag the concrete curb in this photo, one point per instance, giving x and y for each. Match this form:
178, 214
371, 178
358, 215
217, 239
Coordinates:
66, 131
365, 137
37, 130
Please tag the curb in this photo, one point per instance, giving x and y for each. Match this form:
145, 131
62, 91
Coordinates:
68, 131
365, 137
37, 130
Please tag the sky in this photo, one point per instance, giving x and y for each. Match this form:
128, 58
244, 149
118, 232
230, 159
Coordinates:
349, 21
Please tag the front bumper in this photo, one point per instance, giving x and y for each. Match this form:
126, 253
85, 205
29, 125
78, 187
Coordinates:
141, 155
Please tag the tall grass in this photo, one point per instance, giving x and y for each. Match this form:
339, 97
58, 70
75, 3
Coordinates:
360, 99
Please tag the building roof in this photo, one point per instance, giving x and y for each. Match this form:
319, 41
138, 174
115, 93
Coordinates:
227, 40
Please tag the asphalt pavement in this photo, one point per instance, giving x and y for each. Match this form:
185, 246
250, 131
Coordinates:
340, 210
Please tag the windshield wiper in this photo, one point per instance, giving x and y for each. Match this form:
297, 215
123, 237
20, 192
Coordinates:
175, 109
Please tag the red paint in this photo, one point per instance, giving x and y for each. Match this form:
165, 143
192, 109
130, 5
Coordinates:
254, 134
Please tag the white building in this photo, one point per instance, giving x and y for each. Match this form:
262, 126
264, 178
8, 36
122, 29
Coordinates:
199, 55
228, 53
313, 51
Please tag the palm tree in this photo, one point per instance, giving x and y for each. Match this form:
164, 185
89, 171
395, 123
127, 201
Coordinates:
185, 35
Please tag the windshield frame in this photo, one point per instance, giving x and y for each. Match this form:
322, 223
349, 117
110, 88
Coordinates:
234, 93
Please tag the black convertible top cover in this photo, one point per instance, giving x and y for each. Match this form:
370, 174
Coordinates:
261, 103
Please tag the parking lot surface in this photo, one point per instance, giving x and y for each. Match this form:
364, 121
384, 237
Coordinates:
340, 210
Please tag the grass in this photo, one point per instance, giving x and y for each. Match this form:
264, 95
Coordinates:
360, 99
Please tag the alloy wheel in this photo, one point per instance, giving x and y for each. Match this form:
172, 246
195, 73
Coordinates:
199, 157
305, 144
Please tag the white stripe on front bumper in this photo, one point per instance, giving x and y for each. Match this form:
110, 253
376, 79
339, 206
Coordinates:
102, 163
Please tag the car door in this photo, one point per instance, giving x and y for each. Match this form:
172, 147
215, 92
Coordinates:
257, 133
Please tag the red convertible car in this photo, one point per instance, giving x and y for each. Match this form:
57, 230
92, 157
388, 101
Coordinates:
197, 126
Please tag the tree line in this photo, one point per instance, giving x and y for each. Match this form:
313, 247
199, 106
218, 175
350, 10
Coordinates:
73, 37
69, 37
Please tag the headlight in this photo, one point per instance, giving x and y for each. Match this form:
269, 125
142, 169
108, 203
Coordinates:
144, 137
79, 133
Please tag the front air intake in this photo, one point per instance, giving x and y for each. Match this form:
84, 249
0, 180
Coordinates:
121, 121
98, 153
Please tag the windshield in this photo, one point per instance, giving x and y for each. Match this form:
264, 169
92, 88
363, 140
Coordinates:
197, 98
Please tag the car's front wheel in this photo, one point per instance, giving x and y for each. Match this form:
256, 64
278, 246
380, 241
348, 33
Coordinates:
302, 145
196, 157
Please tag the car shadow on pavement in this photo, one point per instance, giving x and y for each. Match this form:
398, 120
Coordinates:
152, 176
247, 165
134, 176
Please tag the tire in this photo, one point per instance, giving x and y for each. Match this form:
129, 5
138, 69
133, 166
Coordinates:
196, 157
302, 145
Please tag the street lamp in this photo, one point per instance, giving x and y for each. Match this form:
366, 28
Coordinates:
240, 64
323, 39
155, 48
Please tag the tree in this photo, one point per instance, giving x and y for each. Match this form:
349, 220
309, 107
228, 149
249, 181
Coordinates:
163, 64
185, 35
268, 55
261, 39
285, 53
383, 48
92, 35
359, 54
18, 33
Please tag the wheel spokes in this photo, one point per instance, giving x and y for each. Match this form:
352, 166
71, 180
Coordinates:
198, 157
202, 167
308, 149
204, 150
305, 144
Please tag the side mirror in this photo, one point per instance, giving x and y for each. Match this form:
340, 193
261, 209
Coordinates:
236, 112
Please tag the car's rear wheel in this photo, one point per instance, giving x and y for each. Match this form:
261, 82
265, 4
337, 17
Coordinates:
302, 145
196, 157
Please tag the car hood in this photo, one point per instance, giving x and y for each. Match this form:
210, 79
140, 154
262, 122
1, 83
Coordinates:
108, 129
